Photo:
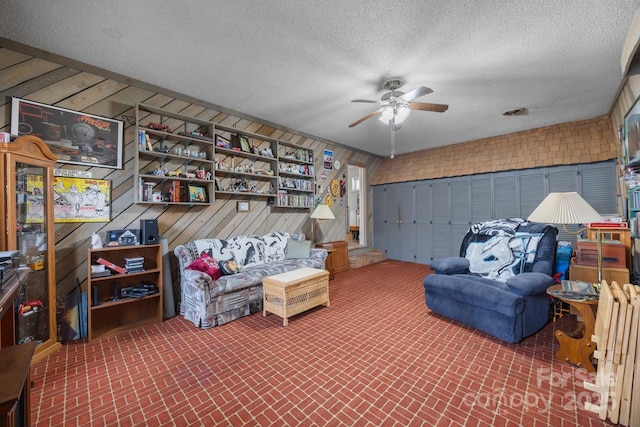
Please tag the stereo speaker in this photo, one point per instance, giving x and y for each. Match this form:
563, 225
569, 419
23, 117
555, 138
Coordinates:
149, 231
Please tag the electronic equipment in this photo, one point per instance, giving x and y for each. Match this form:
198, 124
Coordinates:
122, 237
149, 231
8, 263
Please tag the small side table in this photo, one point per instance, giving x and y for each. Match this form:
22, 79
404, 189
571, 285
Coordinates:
576, 347
328, 262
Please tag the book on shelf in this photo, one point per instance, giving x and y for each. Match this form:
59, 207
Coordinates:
111, 266
607, 225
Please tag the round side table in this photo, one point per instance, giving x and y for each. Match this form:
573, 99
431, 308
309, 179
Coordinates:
576, 346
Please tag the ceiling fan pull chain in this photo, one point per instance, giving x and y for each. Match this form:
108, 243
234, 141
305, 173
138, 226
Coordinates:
393, 136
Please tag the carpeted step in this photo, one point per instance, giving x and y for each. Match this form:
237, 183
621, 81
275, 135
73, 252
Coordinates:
361, 260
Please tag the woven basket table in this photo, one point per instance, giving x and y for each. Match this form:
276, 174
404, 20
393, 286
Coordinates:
293, 292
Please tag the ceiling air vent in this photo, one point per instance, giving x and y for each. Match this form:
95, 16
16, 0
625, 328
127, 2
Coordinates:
515, 112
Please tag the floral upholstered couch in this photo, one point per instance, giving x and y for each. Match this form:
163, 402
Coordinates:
207, 302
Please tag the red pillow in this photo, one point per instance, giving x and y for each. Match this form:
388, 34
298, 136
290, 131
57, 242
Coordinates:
207, 264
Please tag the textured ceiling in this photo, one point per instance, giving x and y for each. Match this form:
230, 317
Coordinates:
299, 63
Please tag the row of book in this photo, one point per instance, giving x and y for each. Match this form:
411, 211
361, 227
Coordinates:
295, 200
298, 184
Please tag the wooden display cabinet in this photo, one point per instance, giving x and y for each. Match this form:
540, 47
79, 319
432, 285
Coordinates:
27, 220
113, 314
338, 257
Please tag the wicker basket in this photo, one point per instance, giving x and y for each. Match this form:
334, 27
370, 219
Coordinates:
291, 293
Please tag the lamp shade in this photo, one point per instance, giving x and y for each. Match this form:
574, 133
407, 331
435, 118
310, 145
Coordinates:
564, 208
322, 212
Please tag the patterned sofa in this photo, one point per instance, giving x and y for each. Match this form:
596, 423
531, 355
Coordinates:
207, 302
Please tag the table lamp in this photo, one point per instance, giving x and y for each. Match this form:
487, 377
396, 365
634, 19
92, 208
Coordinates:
568, 208
320, 212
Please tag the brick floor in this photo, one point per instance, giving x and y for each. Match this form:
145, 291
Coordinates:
376, 357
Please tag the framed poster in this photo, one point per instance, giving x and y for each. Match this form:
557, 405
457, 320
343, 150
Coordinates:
328, 160
81, 199
75, 137
632, 134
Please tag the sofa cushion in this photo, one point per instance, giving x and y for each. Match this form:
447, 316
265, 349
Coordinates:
450, 265
206, 264
298, 249
249, 251
530, 283
276, 244
228, 267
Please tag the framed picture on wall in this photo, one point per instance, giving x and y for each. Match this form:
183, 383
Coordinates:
75, 137
632, 135
74, 199
328, 160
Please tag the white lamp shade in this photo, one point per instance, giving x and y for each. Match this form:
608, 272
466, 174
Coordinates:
322, 212
564, 208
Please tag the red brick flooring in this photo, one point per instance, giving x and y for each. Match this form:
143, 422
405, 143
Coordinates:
376, 357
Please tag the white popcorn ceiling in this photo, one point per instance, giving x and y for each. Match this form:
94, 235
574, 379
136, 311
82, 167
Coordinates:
298, 63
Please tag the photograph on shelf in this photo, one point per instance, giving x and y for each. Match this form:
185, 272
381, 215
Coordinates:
632, 135
197, 194
244, 144
328, 160
75, 137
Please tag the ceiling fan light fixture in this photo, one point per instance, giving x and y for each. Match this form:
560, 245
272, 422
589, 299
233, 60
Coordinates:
402, 113
387, 114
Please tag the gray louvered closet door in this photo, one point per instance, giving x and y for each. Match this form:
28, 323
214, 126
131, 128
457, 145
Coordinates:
598, 187
379, 218
441, 217
481, 199
532, 190
426, 220
400, 208
460, 211
424, 227
505, 195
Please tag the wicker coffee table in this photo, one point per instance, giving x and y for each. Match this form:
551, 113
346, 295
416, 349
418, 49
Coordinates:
293, 292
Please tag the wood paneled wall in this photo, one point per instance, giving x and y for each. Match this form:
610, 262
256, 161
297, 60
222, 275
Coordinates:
55, 82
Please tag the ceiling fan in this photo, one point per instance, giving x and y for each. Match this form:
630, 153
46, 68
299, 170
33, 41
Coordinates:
396, 105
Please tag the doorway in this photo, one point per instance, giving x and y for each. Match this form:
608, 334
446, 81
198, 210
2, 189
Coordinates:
356, 206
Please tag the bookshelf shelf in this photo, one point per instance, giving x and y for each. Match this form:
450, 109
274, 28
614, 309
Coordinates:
108, 312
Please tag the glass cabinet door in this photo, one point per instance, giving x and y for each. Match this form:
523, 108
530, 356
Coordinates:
26, 169
31, 240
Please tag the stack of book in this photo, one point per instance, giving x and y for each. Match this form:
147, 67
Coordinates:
133, 265
99, 271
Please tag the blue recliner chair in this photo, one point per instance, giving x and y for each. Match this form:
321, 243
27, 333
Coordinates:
499, 282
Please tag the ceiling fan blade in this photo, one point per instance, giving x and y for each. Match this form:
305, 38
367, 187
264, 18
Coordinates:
438, 108
365, 100
416, 93
368, 116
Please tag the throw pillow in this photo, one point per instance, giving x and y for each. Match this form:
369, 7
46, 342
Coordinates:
298, 249
228, 267
530, 283
450, 265
206, 264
